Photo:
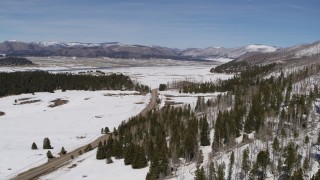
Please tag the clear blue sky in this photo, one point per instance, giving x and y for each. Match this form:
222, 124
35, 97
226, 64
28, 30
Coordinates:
171, 23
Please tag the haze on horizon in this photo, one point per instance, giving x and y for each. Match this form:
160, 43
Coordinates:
170, 23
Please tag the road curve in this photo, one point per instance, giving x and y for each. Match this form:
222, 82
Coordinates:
58, 162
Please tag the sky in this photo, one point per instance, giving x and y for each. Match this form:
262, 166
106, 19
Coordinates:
171, 23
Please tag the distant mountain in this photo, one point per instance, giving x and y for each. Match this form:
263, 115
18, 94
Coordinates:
112, 50
248, 53
294, 56
216, 52
286, 55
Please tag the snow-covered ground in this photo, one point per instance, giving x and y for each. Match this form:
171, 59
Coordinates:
153, 76
89, 168
70, 125
222, 60
79, 121
150, 72
184, 98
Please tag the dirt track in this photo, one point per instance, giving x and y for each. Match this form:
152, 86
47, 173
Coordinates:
58, 162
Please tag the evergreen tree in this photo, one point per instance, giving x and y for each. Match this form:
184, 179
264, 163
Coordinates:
46, 144
275, 144
263, 160
306, 164
291, 157
139, 159
211, 171
49, 155
34, 146
200, 174
220, 172
231, 165
129, 154
245, 161
117, 149
205, 132
100, 152
106, 130
63, 151
318, 139
279, 166
108, 157
298, 175
88, 148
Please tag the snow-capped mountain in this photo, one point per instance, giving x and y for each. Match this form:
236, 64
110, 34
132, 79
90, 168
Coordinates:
108, 49
250, 53
308, 50
215, 52
73, 44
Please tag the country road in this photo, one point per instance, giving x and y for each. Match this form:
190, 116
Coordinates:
58, 162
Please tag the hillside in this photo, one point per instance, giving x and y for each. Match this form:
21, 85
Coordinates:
119, 50
14, 61
295, 56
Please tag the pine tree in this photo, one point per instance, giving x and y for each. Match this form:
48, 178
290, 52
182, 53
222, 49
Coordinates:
275, 144
263, 160
129, 154
46, 143
305, 164
231, 165
291, 157
139, 159
245, 162
279, 166
34, 146
220, 172
88, 148
211, 171
200, 174
63, 151
49, 155
100, 152
117, 149
108, 157
318, 139
298, 175
106, 130
205, 132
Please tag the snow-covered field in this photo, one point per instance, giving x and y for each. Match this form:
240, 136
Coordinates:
70, 125
79, 121
183, 98
150, 72
153, 76
89, 168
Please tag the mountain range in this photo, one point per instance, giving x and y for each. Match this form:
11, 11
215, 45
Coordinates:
119, 50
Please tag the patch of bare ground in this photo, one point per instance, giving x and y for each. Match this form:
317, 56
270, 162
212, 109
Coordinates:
58, 102
26, 101
172, 103
123, 94
72, 166
2, 113
23, 99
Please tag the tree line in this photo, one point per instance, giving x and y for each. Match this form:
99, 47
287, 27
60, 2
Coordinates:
14, 83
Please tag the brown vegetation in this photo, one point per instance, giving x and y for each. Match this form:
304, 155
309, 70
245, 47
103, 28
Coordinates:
2, 113
58, 102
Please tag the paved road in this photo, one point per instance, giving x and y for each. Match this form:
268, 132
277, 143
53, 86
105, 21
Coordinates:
58, 162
